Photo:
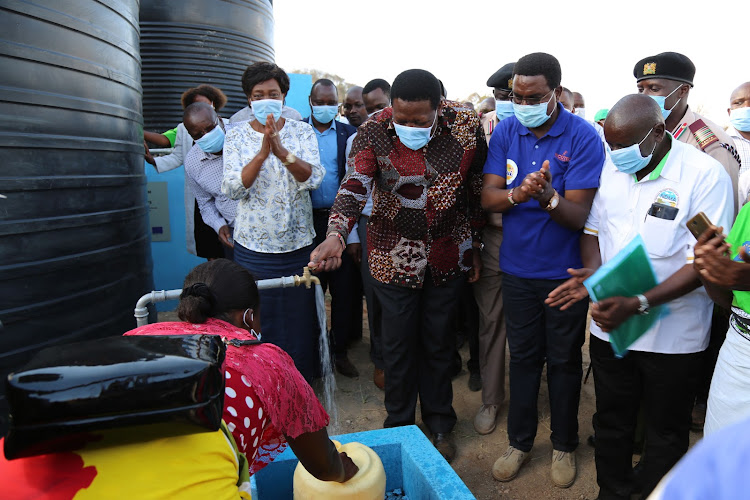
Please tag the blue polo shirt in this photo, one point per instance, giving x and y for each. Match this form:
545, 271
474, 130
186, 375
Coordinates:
324, 196
535, 246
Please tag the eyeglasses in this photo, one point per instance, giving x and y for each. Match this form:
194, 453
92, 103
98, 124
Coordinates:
529, 100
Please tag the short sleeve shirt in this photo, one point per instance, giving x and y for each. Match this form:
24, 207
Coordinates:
690, 182
535, 246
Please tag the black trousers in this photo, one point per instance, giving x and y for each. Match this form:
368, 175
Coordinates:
418, 344
539, 334
345, 295
373, 306
468, 322
665, 385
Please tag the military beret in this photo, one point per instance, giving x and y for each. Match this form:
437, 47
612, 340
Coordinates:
502, 78
669, 65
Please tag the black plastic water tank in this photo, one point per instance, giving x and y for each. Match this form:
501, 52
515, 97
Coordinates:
188, 42
74, 235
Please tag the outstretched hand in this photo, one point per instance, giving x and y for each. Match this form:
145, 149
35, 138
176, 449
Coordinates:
571, 291
327, 255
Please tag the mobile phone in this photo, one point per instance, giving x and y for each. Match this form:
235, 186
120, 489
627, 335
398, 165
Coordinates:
698, 224
661, 211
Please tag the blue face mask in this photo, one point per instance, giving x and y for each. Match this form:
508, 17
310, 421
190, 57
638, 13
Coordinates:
213, 141
414, 137
325, 114
740, 119
661, 99
503, 109
532, 115
629, 160
264, 107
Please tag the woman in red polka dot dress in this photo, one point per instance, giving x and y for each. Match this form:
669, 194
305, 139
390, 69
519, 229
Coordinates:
267, 402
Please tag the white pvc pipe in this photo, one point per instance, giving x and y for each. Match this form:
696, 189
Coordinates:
161, 151
141, 307
283, 282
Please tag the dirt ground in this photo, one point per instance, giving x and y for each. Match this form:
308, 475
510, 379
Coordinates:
360, 408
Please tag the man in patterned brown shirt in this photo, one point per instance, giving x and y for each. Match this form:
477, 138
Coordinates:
422, 161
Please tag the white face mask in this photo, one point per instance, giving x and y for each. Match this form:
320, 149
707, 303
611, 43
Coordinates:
581, 112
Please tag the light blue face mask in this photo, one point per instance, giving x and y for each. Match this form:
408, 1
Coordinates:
213, 141
532, 115
740, 119
324, 114
629, 160
503, 109
661, 99
414, 137
264, 107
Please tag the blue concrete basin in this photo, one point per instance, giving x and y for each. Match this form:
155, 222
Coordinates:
411, 463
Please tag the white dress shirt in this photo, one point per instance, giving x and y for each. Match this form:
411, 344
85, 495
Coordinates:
692, 182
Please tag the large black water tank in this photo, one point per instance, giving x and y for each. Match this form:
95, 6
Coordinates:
188, 42
74, 234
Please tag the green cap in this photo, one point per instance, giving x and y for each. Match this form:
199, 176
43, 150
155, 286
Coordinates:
601, 114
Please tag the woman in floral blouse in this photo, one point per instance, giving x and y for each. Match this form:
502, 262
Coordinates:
270, 164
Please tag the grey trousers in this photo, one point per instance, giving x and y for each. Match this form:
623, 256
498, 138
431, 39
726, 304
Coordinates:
487, 292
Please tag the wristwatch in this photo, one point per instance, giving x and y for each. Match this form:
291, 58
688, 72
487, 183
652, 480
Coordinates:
643, 308
553, 202
290, 158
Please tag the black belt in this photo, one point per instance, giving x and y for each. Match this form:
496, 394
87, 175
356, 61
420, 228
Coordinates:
321, 211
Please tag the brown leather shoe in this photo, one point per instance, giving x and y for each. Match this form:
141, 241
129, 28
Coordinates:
346, 367
378, 378
445, 445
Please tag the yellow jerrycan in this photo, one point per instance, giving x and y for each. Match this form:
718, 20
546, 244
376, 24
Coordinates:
367, 484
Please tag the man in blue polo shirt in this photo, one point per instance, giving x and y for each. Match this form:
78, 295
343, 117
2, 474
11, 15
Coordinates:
542, 173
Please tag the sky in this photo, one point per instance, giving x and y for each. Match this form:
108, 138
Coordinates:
464, 42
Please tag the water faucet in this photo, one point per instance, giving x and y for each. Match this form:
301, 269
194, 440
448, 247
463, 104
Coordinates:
307, 278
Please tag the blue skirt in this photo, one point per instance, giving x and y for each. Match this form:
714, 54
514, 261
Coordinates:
288, 316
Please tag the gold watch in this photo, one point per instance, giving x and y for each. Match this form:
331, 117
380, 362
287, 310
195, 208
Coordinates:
290, 158
553, 202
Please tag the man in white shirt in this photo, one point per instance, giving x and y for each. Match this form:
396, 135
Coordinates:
204, 171
652, 186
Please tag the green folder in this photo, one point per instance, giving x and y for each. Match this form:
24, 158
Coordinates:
629, 273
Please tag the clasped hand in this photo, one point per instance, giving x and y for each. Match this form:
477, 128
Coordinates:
536, 185
271, 140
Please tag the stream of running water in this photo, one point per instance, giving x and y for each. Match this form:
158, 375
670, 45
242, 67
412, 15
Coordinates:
326, 366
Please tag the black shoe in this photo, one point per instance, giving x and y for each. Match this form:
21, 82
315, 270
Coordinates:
445, 445
591, 440
475, 382
456, 365
346, 367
